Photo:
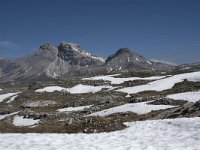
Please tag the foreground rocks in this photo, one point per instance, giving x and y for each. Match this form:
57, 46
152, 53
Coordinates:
45, 107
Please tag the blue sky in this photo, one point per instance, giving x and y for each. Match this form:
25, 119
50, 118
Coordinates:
158, 29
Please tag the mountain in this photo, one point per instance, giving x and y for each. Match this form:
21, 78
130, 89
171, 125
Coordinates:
69, 60
126, 60
50, 62
188, 67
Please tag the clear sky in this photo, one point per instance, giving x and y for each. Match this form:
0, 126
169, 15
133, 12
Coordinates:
158, 29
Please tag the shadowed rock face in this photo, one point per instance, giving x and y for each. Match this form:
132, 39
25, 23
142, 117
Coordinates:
69, 59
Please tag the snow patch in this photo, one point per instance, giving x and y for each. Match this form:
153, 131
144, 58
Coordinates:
187, 96
80, 108
162, 84
12, 99
86, 89
21, 121
138, 108
51, 89
114, 80
4, 96
149, 62
78, 89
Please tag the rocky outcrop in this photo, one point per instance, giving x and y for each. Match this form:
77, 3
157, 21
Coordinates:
187, 110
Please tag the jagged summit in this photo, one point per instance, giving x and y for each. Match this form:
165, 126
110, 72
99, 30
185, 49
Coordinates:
76, 48
70, 47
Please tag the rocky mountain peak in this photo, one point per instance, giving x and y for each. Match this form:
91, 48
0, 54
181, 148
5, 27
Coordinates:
70, 47
69, 59
124, 51
47, 47
47, 50
74, 50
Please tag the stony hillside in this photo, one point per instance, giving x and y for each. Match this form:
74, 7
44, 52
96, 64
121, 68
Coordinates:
97, 104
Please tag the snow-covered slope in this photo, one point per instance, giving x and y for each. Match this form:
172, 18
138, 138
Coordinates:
187, 96
177, 134
162, 84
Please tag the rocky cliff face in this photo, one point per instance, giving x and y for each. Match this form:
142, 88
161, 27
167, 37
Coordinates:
69, 59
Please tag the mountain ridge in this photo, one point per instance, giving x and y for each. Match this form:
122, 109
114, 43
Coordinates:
71, 60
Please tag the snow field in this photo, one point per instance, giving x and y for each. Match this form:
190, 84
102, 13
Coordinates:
179, 134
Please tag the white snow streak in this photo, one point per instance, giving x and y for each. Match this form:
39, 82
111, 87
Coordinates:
4, 96
12, 99
80, 108
7, 115
114, 80
138, 108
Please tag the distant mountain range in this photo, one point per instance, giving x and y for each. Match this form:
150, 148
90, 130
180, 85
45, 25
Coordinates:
69, 60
